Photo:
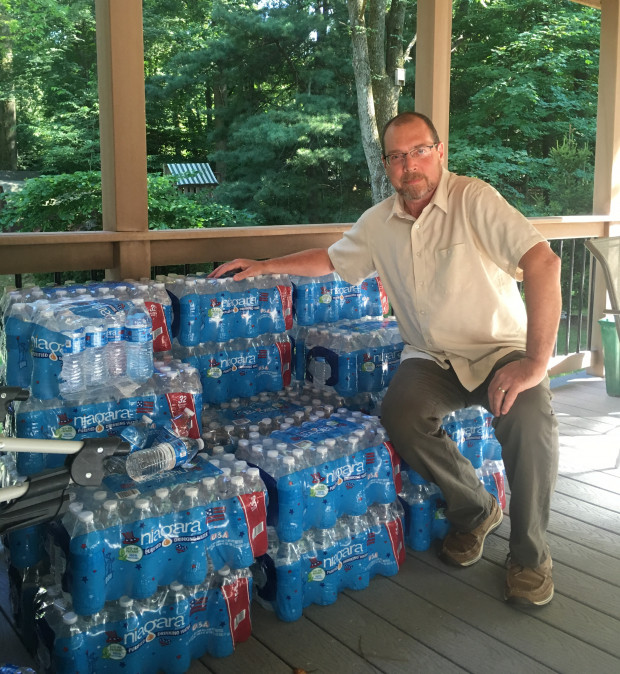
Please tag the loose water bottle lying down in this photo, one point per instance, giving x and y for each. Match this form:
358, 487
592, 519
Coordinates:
161, 457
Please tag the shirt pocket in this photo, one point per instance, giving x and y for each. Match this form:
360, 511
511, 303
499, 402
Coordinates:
455, 268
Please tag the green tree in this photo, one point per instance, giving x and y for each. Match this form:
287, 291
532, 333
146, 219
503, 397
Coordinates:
517, 87
53, 81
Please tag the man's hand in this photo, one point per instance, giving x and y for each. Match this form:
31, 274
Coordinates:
248, 268
510, 380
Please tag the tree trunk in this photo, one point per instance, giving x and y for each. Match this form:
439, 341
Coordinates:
365, 99
8, 138
220, 100
377, 41
8, 114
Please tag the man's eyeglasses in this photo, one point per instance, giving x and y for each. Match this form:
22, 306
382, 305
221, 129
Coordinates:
420, 152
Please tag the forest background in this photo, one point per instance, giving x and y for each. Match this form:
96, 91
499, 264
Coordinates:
268, 93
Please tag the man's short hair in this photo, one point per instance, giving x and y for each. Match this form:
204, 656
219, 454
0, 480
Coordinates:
403, 118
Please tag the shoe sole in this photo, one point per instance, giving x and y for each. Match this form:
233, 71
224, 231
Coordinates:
524, 601
446, 558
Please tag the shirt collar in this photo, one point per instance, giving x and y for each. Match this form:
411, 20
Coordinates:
440, 198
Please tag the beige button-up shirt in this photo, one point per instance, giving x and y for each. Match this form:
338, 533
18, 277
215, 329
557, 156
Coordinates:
450, 274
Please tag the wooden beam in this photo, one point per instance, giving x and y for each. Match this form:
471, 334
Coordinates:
607, 160
122, 120
432, 66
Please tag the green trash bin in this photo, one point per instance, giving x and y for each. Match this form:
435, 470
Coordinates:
611, 355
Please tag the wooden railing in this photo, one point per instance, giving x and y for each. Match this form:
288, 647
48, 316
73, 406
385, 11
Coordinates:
134, 254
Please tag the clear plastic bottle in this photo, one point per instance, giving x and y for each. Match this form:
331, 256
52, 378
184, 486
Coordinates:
68, 644
116, 358
18, 329
72, 378
95, 365
139, 347
161, 457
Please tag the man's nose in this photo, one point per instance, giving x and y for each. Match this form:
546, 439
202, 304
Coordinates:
410, 161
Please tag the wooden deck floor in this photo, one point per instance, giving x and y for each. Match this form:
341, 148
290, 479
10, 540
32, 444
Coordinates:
434, 618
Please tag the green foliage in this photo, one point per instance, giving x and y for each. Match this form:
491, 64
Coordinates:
265, 92
171, 209
53, 77
60, 203
517, 87
303, 171
72, 202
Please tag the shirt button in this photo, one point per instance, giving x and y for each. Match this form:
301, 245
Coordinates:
422, 312
418, 254
417, 226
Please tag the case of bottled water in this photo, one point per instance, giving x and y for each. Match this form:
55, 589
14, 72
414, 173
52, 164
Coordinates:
352, 356
220, 310
327, 299
424, 508
472, 430
163, 632
172, 397
165, 560
326, 561
63, 342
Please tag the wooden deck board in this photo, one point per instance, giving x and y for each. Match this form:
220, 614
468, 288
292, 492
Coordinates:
474, 595
435, 618
392, 650
397, 601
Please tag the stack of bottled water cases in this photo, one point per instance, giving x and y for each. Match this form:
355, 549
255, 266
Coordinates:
234, 333
332, 479
354, 357
423, 502
329, 298
137, 574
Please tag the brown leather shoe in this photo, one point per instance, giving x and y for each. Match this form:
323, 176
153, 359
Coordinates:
529, 586
465, 548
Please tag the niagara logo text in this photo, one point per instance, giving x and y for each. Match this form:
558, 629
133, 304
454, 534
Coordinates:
88, 420
348, 553
41, 345
169, 531
153, 626
248, 302
239, 360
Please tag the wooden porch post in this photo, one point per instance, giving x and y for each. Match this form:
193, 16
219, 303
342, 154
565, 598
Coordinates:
432, 67
122, 121
607, 162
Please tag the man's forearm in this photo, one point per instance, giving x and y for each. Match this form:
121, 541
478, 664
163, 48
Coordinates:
543, 299
311, 262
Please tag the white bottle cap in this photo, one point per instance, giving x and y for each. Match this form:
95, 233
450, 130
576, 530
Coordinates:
70, 618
